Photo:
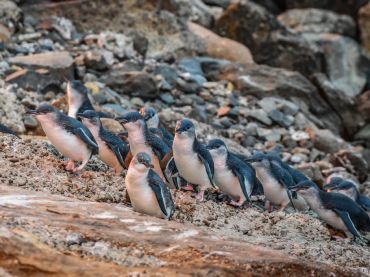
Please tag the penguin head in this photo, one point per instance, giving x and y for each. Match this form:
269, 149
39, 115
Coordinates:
44, 111
89, 118
217, 147
150, 116
185, 128
131, 121
344, 187
75, 88
143, 161
305, 188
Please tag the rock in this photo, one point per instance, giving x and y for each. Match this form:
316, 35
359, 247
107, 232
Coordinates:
45, 241
280, 118
220, 3
343, 62
114, 109
219, 47
269, 134
327, 142
167, 73
318, 21
30, 122
342, 103
339, 6
4, 34
268, 39
259, 115
269, 104
133, 83
140, 43
98, 60
251, 129
64, 27
42, 70
363, 104
364, 26
167, 98
10, 15
223, 111
363, 133
261, 81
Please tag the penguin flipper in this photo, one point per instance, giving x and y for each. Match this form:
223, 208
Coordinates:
85, 135
162, 194
170, 172
348, 222
119, 148
283, 177
159, 147
6, 130
364, 203
206, 158
241, 177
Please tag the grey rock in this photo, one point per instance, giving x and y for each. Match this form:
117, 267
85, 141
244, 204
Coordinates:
318, 21
220, 3
113, 109
269, 104
260, 115
168, 73
268, 39
328, 142
167, 98
280, 118
74, 238
30, 122
251, 129
269, 134
10, 15
98, 60
363, 133
64, 27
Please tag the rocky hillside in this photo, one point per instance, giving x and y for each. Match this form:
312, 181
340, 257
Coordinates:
288, 76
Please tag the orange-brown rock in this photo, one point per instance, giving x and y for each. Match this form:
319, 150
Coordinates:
220, 47
364, 25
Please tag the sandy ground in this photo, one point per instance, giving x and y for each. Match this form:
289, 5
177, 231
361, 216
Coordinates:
36, 165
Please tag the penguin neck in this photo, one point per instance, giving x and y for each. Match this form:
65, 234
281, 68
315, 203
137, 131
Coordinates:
135, 174
220, 160
137, 137
75, 101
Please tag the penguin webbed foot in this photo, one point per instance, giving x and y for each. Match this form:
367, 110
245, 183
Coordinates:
188, 187
70, 166
237, 204
200, 196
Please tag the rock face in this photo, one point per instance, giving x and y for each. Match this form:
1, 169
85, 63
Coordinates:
270, 42
41, 70
364, 26
318, 21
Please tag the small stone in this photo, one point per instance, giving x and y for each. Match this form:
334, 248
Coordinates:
251, 129
114, 109
260, 115
167, 98
223, 111
30, 122
74, 238
280, 118
269, 134
137, 102
249, 141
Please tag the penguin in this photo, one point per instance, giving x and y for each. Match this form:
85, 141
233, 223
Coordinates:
147, 192
6, 130
78, 99
142, 140
69, 136
112, 150
193, 161
152, 120
276, 178
233, 176
337, 210
348, 188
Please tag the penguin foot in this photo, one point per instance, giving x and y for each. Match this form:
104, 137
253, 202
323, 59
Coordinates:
188, 187
70, 166
81, 166
237, 203
200, 196
268, 206
339, 238
282, 207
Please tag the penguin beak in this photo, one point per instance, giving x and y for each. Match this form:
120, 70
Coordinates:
121, 119
148, 165
33, 112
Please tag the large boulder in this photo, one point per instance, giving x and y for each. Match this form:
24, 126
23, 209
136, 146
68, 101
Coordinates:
318, 21
262, 81
270, 41
219, 47
364, 26
38, 71
343, 58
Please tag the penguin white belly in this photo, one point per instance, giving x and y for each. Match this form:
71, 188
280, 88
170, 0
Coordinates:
68, 144
190, 167
332, 219
142, 197
227, 181
274, 192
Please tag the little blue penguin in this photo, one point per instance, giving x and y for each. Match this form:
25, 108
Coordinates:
233, 176
6, 130
337, 210
276, 179
69, 136
112, 150
348, 188
147, 192
78, 99
193, 161
142, 140
152, 120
